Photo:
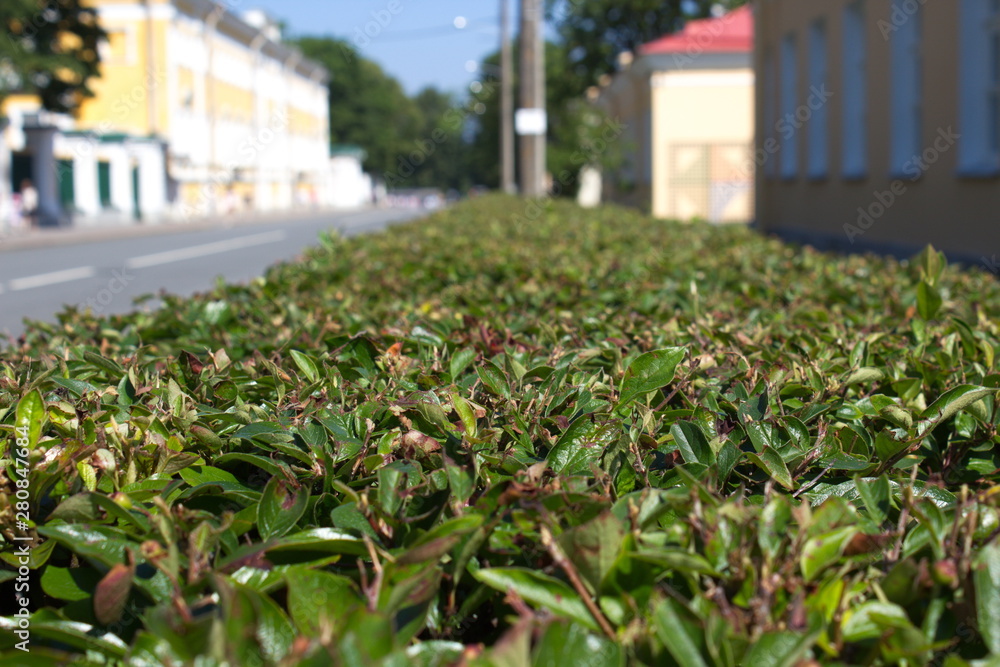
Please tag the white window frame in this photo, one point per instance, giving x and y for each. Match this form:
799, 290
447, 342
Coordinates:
906, 89
854, 101
979, 88
789, 87
818, 126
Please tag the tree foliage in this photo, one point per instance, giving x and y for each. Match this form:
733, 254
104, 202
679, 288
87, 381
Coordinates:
370, 108
595, 31
576, 134
49, 49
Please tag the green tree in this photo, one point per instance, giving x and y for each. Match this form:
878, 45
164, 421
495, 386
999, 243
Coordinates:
442, 143
577, 131
368, 107
410, 142
594, 32
49, 48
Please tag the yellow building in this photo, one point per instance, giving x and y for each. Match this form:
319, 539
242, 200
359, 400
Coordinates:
686, 101
879, 124
245, 118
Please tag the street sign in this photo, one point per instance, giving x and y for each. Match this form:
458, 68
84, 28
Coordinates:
531, 122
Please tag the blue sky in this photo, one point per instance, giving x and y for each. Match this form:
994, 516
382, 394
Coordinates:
419, 44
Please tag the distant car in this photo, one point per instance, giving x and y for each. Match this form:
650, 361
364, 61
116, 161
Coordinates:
432, 202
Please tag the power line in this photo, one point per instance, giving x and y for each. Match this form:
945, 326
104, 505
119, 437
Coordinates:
427, 33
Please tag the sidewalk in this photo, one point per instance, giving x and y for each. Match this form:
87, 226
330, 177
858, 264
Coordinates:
43, 238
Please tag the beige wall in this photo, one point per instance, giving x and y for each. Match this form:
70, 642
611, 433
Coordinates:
683, 114
954, 213
701, 107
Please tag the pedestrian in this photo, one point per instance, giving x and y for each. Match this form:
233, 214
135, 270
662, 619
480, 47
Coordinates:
29, 202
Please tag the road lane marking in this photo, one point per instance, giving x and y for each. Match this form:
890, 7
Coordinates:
181, 254
54, 278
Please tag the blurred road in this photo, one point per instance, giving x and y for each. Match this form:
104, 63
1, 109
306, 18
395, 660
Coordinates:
108, 274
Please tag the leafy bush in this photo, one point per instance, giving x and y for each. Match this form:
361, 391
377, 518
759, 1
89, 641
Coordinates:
500, 438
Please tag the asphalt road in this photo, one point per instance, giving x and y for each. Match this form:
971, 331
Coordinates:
107, 275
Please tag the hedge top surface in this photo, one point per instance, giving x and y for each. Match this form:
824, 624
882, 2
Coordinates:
499, 438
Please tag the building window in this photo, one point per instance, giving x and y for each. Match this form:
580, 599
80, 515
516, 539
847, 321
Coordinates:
64, 177
818, 124
104, 183
854, 110
770, 115
906, 88
979, 88
119, 48
789, 99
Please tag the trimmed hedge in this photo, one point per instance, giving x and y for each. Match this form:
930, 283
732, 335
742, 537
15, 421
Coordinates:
488, 438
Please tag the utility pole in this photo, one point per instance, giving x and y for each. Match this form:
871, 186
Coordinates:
507, 102
531, 119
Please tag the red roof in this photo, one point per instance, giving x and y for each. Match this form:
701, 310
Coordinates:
731, 33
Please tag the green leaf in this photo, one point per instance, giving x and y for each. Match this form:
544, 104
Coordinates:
77, 583
466, 414
770, 461
436, 543
31, 417
197, 475
539, 589
691, 442
649, 372
863, 376
109, 366
674, 560
565, 643
877, 496
778, 649
898, 416
82, 636
306, 364
871, 619
931, 263
825, 550
98, 544
460, 361
594, 547
76, 387
986, 578
281, 507
317, 599
928, 301
325, 540
955, 399
581, 445
494, 378
262, 462
677, 635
